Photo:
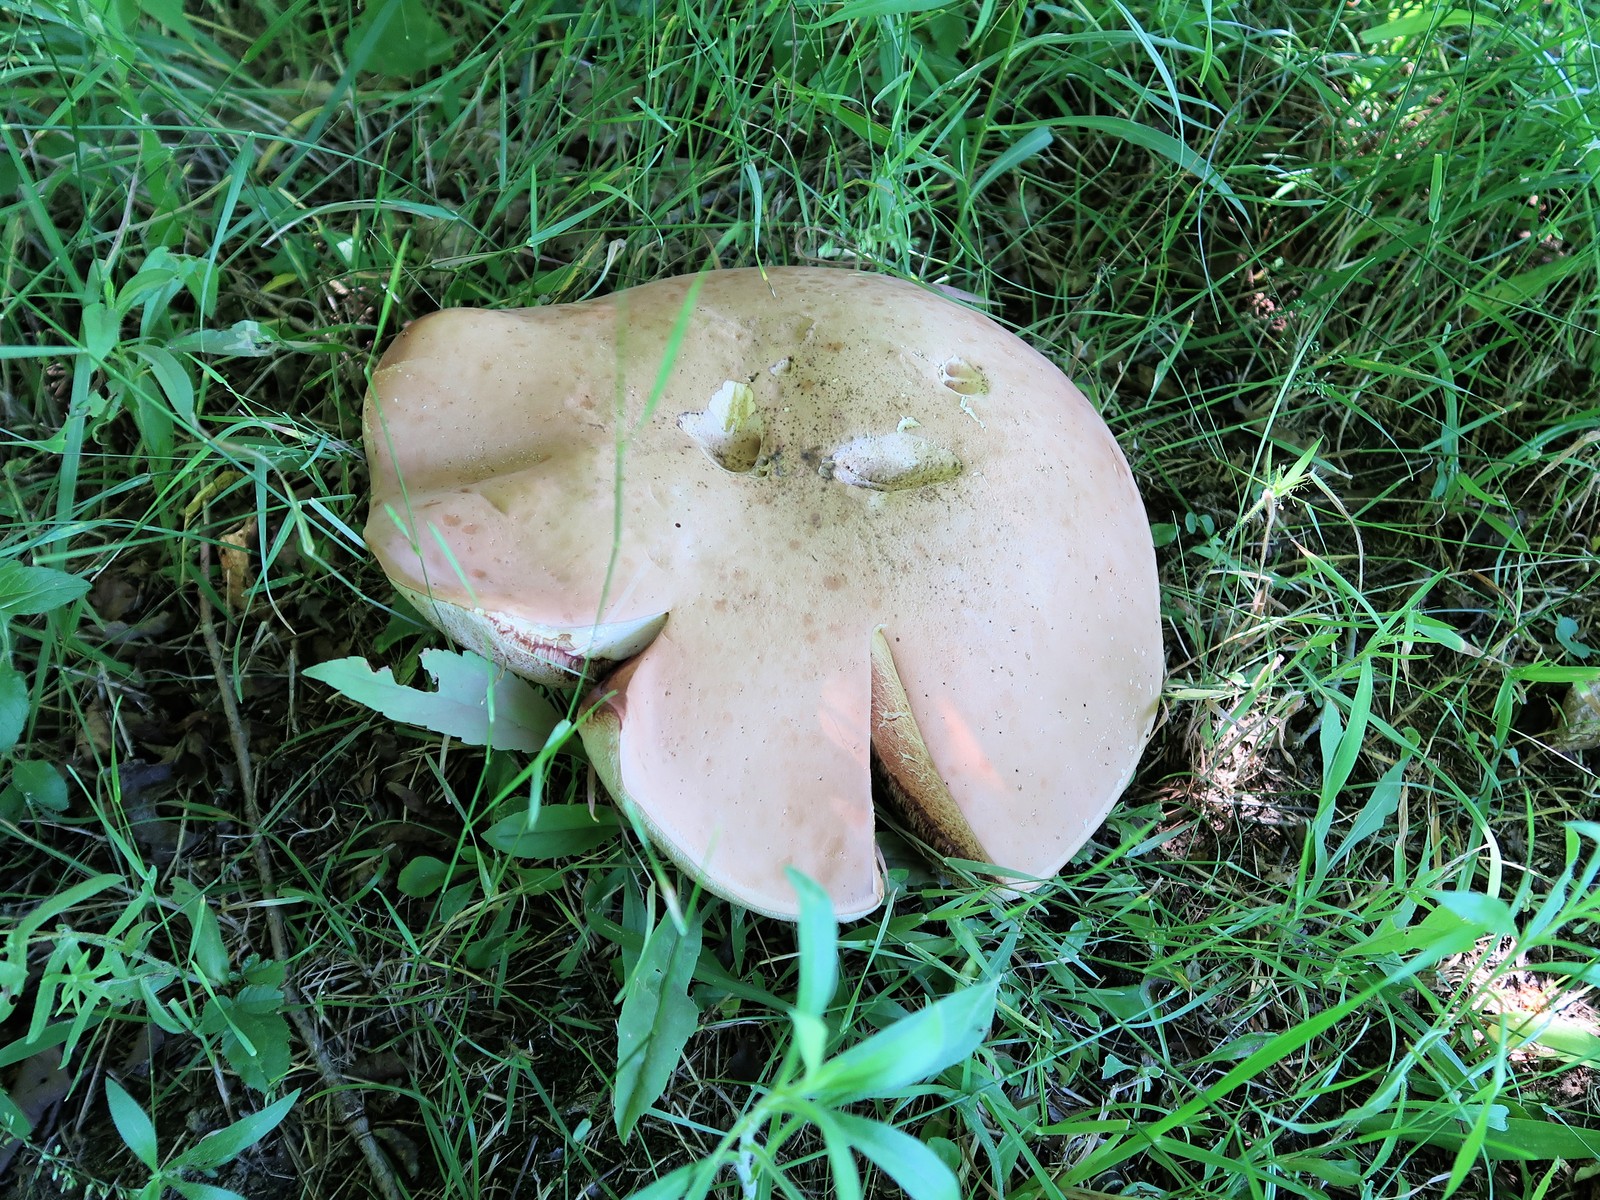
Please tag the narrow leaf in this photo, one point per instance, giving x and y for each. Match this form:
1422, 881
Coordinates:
1521, 1140
1337, 767
208, 953
460, 708
866, 10
1375, 813
818, 938
917, 1169
657, 1020
1035, 141
226, 1144
133, 1123
556, 830
1158, 142
912, 1049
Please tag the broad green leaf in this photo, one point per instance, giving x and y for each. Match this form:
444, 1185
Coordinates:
1489, 915
13, 706
13, 1121
423, 876
657, 1020
1443, 932
557, 830
173, 379
1429, 20
459, 708
101, 330
1340, 1172
398, 37
917, 1169
242, 339
133, 1123
689, 1182
255, 1043
1567, 631
225, 1145
39, 785
168, 13
912, 1049
208, 953
28, 591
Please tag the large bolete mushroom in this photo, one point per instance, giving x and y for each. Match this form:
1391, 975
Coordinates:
787, 522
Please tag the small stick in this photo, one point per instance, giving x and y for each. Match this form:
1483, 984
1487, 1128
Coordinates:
352, 1111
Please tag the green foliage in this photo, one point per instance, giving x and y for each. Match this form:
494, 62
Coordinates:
249, 1025
216, 1149
553, 831
398, 37
473, 700
810, 1089
32, 784
657, 1019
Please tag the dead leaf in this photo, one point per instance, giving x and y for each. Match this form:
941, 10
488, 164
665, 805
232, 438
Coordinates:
141, 786
94, 735
236, 564
382, 1066
114, 595
1580, 718
39, 1086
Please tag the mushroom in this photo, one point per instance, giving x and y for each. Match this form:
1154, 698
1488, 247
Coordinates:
785, 523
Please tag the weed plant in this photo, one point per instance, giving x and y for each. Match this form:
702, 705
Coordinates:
1331, 272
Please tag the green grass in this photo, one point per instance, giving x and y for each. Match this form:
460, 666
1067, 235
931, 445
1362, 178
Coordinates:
1330, 271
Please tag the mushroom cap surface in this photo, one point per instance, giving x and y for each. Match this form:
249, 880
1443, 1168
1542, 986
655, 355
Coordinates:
726, 484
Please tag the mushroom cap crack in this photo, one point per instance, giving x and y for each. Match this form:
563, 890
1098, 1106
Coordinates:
831, 454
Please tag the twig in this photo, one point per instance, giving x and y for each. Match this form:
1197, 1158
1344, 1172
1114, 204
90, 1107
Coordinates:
352, 1111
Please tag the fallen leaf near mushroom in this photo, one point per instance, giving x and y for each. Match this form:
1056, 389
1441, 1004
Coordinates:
810, 460
1580, 718
236, 564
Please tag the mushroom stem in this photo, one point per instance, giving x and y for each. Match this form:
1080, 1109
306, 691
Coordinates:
918, 791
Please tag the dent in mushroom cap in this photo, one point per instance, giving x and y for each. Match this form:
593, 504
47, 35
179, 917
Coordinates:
892, 462
729, 428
